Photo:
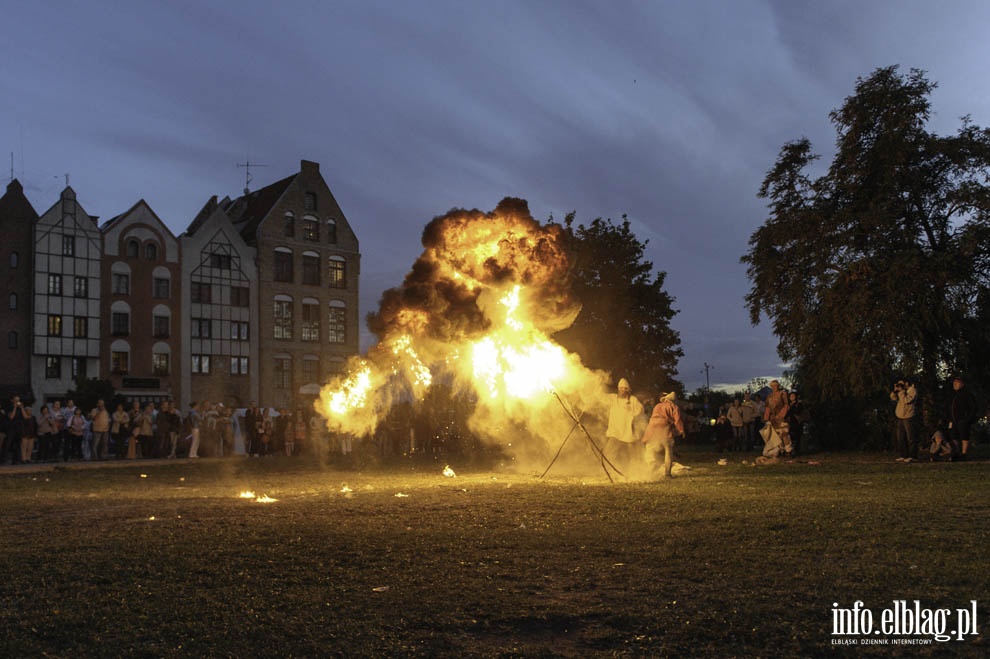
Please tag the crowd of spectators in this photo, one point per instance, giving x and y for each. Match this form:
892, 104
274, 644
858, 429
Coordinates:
63, 432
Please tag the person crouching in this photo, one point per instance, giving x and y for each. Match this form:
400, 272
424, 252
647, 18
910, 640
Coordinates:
665, 424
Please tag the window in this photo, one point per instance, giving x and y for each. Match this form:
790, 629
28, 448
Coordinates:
338, 272
309, 201
12, 340
13, 301
238, 330
201, 292
332, 231
289, 228
240, 296
311, 229
283, 319
80, 327
54, 284
337, 326
310, 369
221, 261
151, 251
310, 321
53, 368
68, 245
120, 323
200, 328
80, 286
133, 247
311, 268
160, 327
78, 368
54, 325
159, 363
161, 287
283, 265
14, 259
238, 365
119, 361
283, 373
120, 284
201, 364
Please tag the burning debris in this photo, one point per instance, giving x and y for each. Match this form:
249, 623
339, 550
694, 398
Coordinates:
476, 312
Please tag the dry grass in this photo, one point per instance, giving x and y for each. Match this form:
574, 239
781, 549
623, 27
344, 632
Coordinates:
725, 561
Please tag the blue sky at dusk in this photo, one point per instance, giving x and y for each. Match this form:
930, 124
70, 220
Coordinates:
669, 112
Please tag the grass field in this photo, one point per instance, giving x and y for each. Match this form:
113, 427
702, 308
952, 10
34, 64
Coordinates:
165, 559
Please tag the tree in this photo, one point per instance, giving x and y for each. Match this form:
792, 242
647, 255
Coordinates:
624, 323
872, 269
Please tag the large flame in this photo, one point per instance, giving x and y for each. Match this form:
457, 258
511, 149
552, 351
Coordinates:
477, 309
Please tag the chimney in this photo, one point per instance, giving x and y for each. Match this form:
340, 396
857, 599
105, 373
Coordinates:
307, 166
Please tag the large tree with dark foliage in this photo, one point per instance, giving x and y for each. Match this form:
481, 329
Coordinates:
624, 323
873, 269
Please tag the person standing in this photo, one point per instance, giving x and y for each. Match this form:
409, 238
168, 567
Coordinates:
252, 423
665, 424
736, 418
904, 394
46, 436
120, 430
195, 422
620, 435
74, 431
101, 430
962, 414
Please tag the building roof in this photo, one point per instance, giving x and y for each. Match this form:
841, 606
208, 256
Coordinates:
14, 204
248, 211
113, 221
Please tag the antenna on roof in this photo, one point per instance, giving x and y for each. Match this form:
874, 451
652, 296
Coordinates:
247, 173
11, 166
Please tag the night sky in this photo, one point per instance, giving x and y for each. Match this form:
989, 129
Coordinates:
669, 112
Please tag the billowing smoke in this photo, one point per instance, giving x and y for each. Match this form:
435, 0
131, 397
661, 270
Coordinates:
475, 311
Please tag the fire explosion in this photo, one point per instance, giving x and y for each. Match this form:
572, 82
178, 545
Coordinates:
476, 312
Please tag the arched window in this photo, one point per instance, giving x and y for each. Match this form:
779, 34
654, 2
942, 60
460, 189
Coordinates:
133, 248
120, 356
331, 231
14, 259
13, 300
283, 264
289, 229
337, 324
283, 317
12, 340
151, 251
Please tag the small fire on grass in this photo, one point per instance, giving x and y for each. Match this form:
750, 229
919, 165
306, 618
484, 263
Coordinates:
264, 498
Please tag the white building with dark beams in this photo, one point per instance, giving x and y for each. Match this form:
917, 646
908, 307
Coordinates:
219, 325
66, 323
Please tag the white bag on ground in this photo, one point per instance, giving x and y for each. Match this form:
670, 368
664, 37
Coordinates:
772, 444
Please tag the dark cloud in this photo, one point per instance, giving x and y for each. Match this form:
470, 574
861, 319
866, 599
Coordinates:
669, 112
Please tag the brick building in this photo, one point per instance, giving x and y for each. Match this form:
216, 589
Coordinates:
140, 303
17, 219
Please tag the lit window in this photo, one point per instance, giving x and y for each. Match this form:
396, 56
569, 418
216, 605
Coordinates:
54, 325
338, 272
80, 327
311, 229
283, 319
337, 326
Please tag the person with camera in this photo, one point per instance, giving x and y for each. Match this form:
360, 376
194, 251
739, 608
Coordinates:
904, 394
16, 425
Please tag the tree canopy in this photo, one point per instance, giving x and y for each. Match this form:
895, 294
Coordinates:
874, 267
624, 323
